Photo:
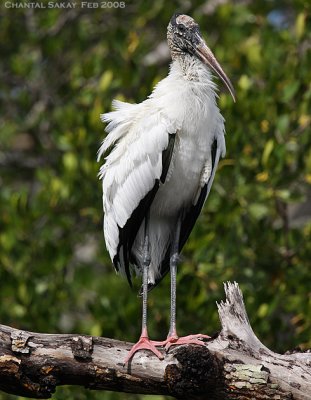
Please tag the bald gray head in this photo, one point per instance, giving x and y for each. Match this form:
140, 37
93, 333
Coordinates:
183, 34
184, 38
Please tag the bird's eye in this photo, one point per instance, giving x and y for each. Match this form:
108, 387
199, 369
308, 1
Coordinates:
181, 28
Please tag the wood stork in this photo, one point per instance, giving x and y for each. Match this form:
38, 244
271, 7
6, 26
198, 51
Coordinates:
161, 168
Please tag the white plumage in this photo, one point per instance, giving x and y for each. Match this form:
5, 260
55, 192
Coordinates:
183, 104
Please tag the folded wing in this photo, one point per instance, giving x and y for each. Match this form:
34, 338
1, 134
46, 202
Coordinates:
137, 164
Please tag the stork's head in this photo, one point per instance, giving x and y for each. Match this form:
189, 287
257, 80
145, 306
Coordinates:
184, 37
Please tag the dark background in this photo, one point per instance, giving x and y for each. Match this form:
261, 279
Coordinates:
59, 70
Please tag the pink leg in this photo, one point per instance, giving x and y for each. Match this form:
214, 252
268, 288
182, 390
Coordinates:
144, 343
174, 340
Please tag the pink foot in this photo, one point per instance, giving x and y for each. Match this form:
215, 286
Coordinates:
144, 343
174, 340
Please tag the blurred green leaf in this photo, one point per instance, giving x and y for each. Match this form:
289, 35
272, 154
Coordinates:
290, 90
258, 211
267, 151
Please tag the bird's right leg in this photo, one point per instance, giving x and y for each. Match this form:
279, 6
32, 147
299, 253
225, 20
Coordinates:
144, 343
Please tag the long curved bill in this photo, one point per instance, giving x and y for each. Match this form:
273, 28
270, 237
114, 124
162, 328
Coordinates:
206, 55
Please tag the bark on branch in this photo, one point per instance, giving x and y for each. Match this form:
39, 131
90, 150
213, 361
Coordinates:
234, 365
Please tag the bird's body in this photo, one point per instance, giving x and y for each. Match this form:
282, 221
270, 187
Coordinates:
182, 104
161, 168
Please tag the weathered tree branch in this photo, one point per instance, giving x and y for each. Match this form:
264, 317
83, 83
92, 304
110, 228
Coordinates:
234, 365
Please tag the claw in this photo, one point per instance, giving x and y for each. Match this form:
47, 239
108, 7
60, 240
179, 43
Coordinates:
144, 343
174, 340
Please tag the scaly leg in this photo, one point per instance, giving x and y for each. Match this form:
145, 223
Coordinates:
144, 343
172, 338
173, 270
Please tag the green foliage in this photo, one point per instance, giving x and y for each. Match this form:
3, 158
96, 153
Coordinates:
59, 70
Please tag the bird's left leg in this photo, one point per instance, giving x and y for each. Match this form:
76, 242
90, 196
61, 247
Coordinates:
144, 343
173, 338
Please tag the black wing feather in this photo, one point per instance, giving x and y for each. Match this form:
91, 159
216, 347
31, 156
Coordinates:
188, 221
128, 233
167, 156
